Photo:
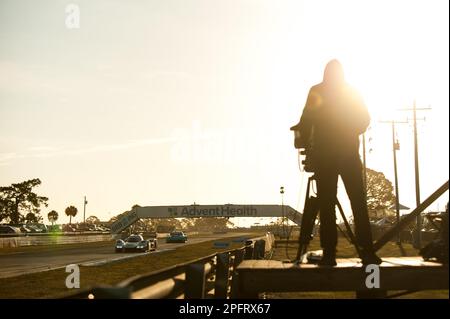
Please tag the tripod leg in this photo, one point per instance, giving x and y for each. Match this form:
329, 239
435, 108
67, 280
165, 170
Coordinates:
308, 220
349, 230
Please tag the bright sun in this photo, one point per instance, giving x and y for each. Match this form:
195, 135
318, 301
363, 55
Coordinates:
391, 63
383, 94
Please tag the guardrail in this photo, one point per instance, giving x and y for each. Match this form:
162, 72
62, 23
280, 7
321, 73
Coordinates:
77, 233
212, 276
52, 239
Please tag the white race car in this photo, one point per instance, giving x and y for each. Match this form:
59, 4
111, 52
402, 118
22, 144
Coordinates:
135, 243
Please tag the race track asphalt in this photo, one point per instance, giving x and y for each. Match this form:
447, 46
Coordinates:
18, 263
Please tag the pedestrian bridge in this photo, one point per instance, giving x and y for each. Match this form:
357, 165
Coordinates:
195, 211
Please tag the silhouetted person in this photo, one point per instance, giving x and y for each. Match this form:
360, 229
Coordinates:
337, 116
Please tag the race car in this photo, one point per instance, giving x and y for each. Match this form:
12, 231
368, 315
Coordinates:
135, 243
176, 237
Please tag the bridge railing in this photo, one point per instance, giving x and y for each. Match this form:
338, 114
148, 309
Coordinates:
207, 277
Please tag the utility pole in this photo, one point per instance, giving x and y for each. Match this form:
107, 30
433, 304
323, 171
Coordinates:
282, 210
84, 210
416, 168
364, 163
395, 148
364, 144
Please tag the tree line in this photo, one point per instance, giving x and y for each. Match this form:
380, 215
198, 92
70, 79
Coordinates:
20, 204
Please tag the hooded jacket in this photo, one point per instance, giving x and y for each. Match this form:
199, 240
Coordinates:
334, 114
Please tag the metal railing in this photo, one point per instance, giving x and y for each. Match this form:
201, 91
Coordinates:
21, 240
395, 230
207, 277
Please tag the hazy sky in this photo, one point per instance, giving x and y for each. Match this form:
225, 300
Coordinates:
171, 102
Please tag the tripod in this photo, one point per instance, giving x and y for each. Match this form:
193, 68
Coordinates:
310, 212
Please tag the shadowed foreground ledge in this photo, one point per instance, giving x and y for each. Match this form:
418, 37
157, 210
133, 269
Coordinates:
396, 273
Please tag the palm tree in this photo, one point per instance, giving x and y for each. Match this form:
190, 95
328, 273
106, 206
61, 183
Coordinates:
71, 211
52, 216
